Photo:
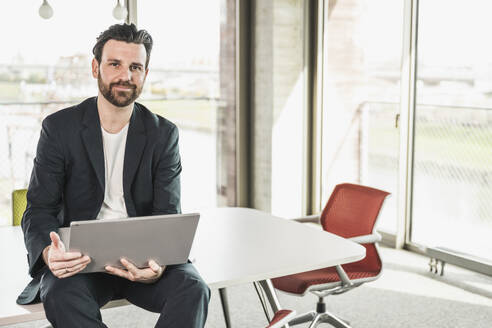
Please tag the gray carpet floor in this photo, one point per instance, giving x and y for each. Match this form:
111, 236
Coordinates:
406, 295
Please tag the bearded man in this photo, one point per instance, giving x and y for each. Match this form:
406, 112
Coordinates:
107, 157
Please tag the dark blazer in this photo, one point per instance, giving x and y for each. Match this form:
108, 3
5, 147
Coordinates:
67, 181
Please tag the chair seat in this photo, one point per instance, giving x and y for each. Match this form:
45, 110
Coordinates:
368, 267
298, 283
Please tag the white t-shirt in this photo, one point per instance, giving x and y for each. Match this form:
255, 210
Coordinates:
114, 144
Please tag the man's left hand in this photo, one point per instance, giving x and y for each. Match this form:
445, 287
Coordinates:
148, 275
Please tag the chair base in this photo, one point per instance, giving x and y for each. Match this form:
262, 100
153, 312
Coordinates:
316, 318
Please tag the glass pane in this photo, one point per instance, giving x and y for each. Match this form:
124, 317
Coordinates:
453, 130
184, 85
362, 97
45, 67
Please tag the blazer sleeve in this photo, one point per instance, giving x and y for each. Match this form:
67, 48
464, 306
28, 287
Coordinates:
167, 185
44, 196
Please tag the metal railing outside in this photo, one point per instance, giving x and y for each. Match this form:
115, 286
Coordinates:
20, 124
452, 172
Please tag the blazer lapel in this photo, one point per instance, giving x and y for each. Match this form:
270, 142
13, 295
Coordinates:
92, 138
135, 144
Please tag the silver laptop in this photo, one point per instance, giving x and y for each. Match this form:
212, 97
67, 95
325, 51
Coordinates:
167, 239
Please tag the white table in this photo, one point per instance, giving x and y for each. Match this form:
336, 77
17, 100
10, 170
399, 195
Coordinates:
232, 246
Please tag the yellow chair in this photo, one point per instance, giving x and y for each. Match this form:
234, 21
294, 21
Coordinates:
19, 203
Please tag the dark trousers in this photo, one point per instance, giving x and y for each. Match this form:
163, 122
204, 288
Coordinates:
180, 296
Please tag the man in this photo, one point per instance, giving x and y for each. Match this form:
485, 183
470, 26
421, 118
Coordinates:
107, 157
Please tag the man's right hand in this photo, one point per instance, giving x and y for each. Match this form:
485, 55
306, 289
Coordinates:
63, 264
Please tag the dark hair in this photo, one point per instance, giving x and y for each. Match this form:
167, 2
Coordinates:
123, 32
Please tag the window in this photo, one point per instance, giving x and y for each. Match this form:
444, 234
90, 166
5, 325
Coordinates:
445, 163
44, 67
192, 83
361, 97
453, 129
47, 66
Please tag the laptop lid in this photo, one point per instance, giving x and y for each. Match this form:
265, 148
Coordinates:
167, 239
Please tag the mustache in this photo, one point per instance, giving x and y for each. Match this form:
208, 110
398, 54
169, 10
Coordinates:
123, 84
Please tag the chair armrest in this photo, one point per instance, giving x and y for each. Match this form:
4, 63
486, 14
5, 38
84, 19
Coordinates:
366, 239
308, 219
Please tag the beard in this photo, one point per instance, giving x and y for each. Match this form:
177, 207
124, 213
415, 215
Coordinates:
118, 98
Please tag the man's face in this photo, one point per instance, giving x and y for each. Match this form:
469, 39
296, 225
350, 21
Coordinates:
121, 73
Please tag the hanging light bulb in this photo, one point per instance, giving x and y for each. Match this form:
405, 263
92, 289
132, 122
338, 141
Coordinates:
45, 11
119, 11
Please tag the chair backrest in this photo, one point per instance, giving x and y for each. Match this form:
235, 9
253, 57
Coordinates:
352, 210
19, 203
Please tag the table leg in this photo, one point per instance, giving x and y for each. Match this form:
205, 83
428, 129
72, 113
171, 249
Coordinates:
269, 290
225, 307
264, 305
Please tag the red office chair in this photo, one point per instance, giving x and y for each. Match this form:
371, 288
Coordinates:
281, 318
351, 212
